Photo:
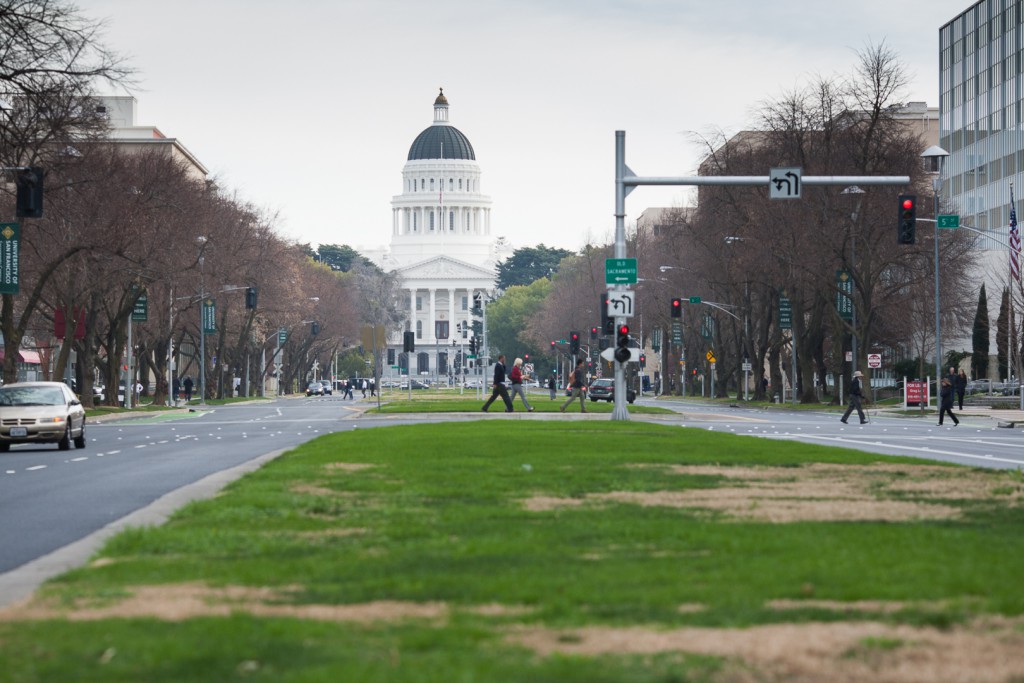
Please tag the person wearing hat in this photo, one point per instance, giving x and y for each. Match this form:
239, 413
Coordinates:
855, 396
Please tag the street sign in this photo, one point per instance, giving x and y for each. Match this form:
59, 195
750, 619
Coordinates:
621, 304
677, 332
620, 271
707, 328
694, 299
748, 366
949, 221
874, 360
282, 336
785, 313
784, 183
710, 355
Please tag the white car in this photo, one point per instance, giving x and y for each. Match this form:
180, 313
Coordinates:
41, 412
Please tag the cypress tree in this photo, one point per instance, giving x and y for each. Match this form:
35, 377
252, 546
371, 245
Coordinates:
980, 339
1002, 327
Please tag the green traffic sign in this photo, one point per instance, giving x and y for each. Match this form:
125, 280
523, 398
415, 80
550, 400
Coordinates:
694, 299
949, 221
140, 312
785, 313
620, 271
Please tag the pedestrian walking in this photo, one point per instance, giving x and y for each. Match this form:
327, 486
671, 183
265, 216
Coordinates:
516, 377
349, 386
855, 399
187, 384
373, 387
576, 381
365, 386
946, 401
498, 388
961, 388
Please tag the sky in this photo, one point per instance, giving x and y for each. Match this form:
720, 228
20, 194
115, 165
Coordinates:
307, 108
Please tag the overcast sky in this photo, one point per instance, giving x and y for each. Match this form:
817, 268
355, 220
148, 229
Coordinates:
308, 107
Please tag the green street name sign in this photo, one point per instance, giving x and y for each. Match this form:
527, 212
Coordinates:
844, 297
694, 299
949, 221
620, 271
282, 336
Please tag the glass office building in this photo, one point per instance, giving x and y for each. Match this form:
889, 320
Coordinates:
980, 85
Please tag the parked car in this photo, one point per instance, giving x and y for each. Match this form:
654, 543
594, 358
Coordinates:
41, 412
315, 389
328, 390
603, 389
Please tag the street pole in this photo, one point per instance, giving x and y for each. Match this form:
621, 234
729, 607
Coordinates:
202, 332
936, 152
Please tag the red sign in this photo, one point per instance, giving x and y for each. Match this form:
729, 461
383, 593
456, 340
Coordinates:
916, 393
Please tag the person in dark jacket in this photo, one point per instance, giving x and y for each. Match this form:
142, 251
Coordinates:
946, 401
961, 388
499, 388
577, 380
855, 398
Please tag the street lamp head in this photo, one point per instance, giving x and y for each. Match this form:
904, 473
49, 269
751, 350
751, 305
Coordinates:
314, 298
852, 189
934, 152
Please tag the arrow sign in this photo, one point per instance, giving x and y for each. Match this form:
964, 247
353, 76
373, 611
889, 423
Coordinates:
621, 304
784, 183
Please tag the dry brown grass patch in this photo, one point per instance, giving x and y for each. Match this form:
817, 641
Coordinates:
816, 492
839, 652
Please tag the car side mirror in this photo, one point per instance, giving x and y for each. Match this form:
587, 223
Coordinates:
75, 402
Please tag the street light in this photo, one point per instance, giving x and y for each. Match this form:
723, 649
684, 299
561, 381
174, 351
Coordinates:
853, 190
936, 155
202, 330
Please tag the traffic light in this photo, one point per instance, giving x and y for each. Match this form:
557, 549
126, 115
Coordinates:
622, 353
593, 333
526, 358
643, 361
907, 219
677, 308
315, 329
409, 342
574, 343
29, 196
250, 297
607, 323
552, 346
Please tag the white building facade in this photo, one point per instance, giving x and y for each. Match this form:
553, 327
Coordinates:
442, 245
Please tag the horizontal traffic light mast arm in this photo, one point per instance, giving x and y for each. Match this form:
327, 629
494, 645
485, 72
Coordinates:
974, 230
632, 180
722, 307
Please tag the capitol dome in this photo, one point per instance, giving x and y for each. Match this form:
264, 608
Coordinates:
441, 140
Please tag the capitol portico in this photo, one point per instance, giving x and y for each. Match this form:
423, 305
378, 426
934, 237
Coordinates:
441, 245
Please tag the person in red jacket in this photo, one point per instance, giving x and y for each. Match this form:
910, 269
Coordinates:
516, 376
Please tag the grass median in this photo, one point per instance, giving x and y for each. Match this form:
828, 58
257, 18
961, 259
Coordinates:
551, 551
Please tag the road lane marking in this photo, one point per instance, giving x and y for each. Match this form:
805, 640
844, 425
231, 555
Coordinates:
79, 459
35, 467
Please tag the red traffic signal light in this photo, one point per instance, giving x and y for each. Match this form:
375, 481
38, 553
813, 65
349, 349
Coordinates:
623, 331
906, 226
552, 344
908, 203
677, 308
526, 357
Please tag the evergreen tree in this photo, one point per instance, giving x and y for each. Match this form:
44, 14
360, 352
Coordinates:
529, 264
1002, 327
980, 338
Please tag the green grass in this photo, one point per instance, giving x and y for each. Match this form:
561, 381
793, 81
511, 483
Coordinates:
450, 401
438, 516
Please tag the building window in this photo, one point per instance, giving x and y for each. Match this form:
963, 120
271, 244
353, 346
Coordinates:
414, 226
423, 184
419, 329
465, 303
460, 184
451, 184
423, 363
431, 221
451, 221
441, 329
419, 303
431, 184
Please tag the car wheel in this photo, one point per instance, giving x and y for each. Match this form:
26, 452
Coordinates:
65, 443
80, 439
4, 447
593, 400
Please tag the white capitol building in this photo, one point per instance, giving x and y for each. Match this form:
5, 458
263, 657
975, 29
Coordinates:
441, 243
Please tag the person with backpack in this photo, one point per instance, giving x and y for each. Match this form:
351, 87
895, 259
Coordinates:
576, 383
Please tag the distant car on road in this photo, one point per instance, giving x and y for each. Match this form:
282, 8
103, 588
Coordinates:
328, 390
604, 390
41, 412
315, 389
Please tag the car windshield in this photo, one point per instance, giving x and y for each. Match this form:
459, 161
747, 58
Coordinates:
31, 396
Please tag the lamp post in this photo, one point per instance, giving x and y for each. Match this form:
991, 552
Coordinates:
202, 323
853, 190
935, 156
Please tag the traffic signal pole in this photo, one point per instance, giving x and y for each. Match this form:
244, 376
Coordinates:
626, 181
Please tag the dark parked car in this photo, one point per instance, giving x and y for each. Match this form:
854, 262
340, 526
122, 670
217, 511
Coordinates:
315, 389
604, 390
